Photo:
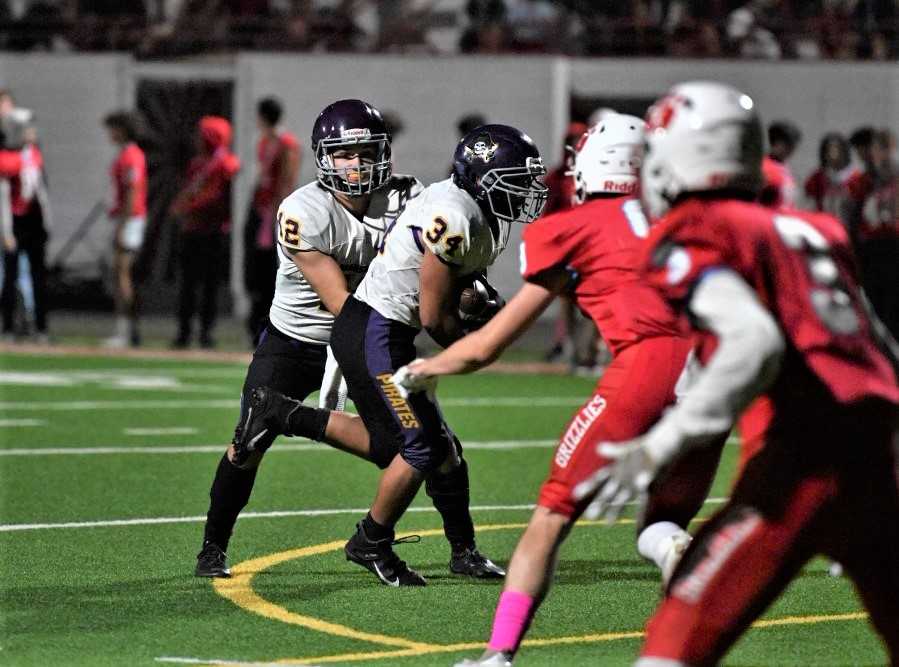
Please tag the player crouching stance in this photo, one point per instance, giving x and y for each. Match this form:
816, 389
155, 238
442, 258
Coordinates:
591, 252
778, 293
456, 228
328, 232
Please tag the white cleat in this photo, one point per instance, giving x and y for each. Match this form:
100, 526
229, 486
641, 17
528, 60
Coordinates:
675, 551
489, 659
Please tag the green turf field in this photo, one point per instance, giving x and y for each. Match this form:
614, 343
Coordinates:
106, 468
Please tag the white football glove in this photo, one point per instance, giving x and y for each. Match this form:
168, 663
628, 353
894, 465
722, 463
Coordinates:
407, 381
626, 477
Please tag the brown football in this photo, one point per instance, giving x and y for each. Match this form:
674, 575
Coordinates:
471, 302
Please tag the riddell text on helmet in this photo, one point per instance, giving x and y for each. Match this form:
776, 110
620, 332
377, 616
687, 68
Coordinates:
626, 188
578, 428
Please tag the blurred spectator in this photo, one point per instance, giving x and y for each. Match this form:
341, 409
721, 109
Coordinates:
874, 219
779, 189
749, 32
828, 185
278, 155
25, 217
535, 25
128, 215
487, 31
203, 209
469, 122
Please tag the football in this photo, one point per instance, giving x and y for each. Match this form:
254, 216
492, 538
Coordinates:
472, 301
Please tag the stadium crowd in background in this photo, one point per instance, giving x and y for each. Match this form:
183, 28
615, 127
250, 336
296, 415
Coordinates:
769, 29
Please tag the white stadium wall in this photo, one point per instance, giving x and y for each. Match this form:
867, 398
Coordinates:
71, 93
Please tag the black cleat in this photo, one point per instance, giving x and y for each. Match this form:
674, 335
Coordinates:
267, 417
379, 558
212, 562
470, 563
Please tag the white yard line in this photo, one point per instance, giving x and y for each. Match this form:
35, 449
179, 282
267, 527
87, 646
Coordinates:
165, 430
7, 423
220, 661
280, 447
505, 402
14, 527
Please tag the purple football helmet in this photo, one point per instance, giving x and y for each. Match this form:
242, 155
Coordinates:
349, 125
502, 169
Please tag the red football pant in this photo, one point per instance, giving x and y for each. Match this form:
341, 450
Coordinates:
629, 398
826, 487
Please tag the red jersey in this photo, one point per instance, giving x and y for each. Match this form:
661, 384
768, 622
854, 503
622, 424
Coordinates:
800, 266
129, 171
829, 190
25, 185
779, 190
275, 155
10, 163
600, 243
877, 201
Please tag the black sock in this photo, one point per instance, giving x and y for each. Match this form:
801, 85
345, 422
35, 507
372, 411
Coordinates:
305, 421
228, 496
376, 531
450, 495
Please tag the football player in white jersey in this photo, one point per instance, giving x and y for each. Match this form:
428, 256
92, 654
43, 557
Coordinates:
328, 232
451, 232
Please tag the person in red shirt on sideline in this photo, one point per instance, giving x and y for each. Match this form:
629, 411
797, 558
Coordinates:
129, 216
779, 189
827, 186
776, 296
591, 253
10, 169
874, 222
278, 154
203, 208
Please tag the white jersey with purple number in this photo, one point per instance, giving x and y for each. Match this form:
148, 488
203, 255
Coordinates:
447, 221
311, 219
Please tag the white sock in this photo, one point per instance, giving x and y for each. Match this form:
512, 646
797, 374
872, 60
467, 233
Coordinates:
654, 540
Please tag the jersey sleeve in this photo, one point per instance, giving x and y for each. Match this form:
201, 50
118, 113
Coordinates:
541, 248
302, 227
448, 234
676, 258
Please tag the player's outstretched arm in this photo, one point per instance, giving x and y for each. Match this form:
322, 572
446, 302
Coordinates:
325, 276
746, 360
482, 347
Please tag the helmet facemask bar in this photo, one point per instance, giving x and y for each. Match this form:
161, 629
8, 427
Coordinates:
516, 194
354, 181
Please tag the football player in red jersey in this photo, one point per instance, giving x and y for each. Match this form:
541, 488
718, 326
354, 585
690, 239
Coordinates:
778, 295
591, 252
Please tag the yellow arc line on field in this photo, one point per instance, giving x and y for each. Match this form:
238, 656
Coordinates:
239, 590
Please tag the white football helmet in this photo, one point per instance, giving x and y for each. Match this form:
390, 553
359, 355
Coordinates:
607, 158
700, 136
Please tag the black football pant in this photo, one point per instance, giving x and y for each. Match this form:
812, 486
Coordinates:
202, 264
31, 239
292, 367
370, 348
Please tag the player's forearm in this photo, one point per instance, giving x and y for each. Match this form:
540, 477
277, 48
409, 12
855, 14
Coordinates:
128, 203
445, 328
746, 360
